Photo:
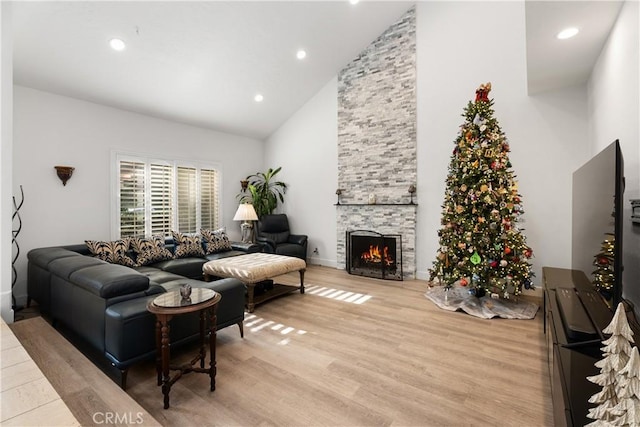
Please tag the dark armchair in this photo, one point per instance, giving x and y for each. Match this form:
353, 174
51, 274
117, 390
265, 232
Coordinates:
274, 234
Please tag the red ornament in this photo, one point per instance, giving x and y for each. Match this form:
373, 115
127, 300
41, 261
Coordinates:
463, 282
507, 250
494, 264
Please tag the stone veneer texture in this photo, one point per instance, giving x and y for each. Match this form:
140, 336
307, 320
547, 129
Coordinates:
377, 138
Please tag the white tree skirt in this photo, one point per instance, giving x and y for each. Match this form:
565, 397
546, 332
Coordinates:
458, 298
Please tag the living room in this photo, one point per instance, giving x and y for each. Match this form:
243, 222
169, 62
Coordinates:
457, 47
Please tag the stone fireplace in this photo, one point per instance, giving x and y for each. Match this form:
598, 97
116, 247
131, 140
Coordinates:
377, 147
387, 219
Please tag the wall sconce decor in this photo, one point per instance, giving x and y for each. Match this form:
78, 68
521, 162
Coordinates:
64, 173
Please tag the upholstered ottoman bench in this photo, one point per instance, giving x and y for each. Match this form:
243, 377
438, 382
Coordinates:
252, 269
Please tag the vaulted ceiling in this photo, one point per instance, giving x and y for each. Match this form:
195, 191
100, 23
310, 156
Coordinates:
202, 63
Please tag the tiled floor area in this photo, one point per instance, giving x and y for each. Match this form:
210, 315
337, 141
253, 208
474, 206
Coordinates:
26, 395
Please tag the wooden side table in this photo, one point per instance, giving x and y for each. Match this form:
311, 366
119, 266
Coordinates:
171, 304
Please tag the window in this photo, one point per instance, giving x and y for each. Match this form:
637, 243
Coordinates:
158, 196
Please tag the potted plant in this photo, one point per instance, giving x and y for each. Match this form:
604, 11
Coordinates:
264, 192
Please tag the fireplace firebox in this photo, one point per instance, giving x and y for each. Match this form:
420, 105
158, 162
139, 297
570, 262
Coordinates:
373, 254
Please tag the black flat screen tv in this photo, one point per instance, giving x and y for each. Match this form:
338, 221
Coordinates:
597, 222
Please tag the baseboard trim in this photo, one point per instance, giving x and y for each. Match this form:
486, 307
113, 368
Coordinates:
322, 261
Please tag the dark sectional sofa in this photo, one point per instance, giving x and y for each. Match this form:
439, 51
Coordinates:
105, 304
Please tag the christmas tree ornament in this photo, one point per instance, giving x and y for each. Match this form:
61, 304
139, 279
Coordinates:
503, 263
475, 259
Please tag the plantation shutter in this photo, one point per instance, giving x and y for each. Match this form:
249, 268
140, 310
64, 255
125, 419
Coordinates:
132, 202
187, 200
161, 195
208, 199
157, 196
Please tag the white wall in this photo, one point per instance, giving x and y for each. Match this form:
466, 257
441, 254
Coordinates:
54, 130
460, 46
306, 147
614, 113
6, 147
548, 132
614, 94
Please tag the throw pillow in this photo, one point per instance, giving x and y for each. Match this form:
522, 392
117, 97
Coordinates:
187, 246
150, 250
215, 241
112, 252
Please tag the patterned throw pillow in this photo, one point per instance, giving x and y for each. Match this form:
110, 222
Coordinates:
150, 250
187, 246
215, 241
112, 252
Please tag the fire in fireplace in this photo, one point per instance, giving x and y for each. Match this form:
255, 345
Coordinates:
374, 254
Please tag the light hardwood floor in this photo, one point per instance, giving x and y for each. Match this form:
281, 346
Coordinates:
388, 358
393, 360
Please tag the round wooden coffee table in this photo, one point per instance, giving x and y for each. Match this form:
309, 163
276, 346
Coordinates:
172, 304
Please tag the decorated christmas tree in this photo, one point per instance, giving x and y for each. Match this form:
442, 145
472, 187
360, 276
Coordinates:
481, 245
616, 354
603, 277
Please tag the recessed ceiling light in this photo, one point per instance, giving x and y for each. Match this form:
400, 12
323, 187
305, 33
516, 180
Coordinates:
354, 1
117, 44
301, 54
258, 98
567, 33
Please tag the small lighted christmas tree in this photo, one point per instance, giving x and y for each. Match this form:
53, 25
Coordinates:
617, 352
481, 245
603, 277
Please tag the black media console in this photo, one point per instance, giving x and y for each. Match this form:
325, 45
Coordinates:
575, 316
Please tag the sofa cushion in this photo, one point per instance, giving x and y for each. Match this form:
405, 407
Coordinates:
187, 246
114, 252
110, 280
157, 276
215, 241
150, 250
188, 267
64, 267
43, 256
280, 237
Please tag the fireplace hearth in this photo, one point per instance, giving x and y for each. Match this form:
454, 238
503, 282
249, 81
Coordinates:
373, 254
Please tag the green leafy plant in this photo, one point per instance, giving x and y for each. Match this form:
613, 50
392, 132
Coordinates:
264, 191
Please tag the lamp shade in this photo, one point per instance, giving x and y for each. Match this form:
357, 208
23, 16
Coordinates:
245, 212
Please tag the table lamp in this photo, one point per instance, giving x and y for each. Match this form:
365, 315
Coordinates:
246, 213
